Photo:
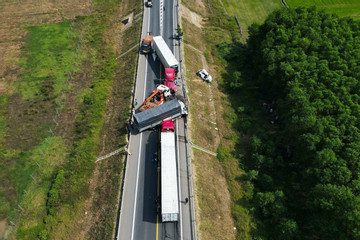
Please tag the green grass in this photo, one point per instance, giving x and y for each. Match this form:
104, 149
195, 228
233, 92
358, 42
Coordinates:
49, 55
340, 7
250, 11
26, 172
3, 103
50, 155
27, 175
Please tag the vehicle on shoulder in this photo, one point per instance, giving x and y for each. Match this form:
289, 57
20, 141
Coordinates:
204, 75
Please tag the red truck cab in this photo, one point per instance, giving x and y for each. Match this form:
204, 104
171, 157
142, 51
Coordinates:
170, 79
168, 125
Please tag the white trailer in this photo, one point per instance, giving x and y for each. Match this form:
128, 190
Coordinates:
169, 184
164, 53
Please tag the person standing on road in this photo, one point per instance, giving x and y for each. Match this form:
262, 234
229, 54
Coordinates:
186, 200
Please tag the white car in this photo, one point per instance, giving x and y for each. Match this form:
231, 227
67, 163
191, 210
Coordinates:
204, 75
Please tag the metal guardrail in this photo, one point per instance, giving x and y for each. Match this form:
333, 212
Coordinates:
203, 149
112, 153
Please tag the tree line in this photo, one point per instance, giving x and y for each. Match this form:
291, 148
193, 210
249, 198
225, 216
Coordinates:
304, 65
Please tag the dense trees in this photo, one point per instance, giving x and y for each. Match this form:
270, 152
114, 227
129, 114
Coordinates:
307, 181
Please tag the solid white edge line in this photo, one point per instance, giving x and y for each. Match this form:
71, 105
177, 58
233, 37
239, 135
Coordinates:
136, 188
141, 134
179, 180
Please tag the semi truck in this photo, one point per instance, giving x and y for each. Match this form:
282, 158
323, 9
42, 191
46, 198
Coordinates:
169, 185
164, 53
169, 80
154, 116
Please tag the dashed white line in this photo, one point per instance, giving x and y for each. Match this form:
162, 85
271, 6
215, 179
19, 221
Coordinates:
161, 17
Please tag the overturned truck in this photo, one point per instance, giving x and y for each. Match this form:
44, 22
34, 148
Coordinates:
152, 117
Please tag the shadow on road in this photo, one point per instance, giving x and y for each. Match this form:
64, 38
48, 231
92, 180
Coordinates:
150, 177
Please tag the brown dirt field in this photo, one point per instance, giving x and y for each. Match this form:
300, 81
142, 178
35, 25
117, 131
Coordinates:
191, 16
25, 119
9, 56
15, 16
198, 7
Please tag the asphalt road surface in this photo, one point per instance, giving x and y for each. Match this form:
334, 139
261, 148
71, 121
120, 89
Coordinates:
138, 215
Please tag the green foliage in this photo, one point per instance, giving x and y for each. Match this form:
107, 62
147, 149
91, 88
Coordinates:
307, 181
44, 235
339, 7
223, 153
179, 30
271, 204
54, 193
231, 116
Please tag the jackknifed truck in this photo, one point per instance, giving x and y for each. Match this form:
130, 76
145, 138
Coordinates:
154, 116
164, 53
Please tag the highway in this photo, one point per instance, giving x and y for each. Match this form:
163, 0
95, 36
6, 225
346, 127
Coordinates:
138, 218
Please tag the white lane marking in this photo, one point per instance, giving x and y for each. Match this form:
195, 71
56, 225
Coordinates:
161, 17
178, 160
136, 188
139, 161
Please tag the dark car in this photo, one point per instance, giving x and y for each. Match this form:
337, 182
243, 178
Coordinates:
149, 3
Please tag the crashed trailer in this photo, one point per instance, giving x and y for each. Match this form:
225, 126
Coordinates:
154, 116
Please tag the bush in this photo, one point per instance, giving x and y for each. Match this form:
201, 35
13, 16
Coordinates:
223, 153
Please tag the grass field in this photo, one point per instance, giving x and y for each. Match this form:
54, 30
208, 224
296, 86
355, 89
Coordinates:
49, 56
41, 75
249, 12
340, 7
47, 111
